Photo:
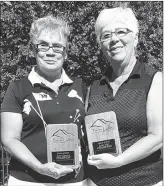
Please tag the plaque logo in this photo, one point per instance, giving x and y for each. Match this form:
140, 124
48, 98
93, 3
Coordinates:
101, 125
62, 136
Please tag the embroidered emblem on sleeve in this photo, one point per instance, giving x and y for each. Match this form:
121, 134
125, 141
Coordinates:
73, 93
27, 106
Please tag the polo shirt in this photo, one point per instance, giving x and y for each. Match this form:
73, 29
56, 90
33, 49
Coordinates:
34, 78
62, 104
129, 105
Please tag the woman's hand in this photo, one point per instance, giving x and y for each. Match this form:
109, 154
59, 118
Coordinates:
54, 170
105, 161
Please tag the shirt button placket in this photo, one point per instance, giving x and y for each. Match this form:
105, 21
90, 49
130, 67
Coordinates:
57, 103
57, 100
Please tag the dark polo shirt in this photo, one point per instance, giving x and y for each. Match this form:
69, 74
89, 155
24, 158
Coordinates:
129, 105
63, 106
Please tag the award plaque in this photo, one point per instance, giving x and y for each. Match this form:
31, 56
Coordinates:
102, 133
62, 144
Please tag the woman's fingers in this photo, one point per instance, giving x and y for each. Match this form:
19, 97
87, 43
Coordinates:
95, 157
56, 175
94, 162
55, 170
60, 170
65, 170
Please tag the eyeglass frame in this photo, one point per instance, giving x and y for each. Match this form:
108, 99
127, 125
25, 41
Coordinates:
60, 52
128, 31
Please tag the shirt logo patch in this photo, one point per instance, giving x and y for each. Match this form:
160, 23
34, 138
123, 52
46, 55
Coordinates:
73, 94
41, 96
27, 106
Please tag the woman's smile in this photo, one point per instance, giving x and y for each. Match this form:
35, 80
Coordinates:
50, 61
115, 49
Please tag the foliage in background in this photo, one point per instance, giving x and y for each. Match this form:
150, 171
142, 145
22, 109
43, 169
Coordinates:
84, 56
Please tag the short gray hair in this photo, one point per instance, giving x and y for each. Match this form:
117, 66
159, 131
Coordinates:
113, 15
48, 23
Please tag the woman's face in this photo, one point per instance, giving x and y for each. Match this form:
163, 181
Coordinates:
50, 61
119, 47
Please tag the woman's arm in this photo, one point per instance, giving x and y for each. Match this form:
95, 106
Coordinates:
11, 133
148, 144
153, 141
11, 127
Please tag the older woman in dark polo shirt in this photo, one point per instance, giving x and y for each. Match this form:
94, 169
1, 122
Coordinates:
46, 96
133, 91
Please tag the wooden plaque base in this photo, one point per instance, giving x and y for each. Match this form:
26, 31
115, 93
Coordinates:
62, 144
102, 133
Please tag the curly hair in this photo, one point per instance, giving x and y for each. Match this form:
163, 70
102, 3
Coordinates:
49, 23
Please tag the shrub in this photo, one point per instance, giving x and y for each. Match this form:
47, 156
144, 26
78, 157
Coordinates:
84, 56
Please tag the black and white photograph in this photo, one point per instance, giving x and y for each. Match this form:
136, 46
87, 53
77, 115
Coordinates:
81, 93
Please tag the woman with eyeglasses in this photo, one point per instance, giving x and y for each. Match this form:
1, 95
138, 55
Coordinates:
47, 96
132, 90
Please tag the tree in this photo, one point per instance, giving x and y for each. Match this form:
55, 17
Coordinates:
84, 55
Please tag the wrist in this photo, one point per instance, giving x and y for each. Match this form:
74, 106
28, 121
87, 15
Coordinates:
38, 167
120, 161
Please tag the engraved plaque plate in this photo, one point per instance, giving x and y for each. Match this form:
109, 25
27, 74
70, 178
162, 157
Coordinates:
62, 144
102, 133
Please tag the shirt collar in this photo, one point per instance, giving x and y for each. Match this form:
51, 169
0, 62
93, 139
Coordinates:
136, 72
34, 78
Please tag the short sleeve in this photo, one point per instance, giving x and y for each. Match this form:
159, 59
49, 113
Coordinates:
11, 101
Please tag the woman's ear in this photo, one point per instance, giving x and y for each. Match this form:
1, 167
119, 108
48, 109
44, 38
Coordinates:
135, 40
33, 49
65, 55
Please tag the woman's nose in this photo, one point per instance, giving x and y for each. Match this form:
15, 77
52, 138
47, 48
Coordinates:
114, 37
50, 52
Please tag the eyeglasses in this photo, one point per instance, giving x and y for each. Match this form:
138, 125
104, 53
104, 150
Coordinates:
44, 47
120, 32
